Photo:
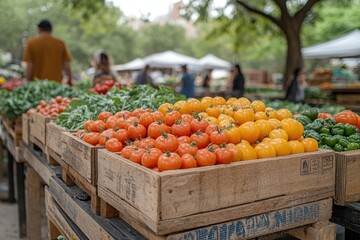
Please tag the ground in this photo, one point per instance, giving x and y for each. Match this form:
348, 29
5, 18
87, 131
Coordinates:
8, 221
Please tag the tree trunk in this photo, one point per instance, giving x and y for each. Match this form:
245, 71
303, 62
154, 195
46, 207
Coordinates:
293, 55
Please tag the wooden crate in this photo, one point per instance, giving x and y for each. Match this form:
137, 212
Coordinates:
38, 130
2, 130
306, 221
53, 143
58, 222
13, 128
179, 200
347, 177
80, 165
25, 128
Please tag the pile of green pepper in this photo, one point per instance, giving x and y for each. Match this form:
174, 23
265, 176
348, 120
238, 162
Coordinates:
329, 134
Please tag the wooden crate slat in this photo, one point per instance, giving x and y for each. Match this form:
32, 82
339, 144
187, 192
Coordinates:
347, 177
25, 128
38, 127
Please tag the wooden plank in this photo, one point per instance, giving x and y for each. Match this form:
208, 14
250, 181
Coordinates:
76, 213
80, 155
35, 144
12, 147
2, 129
25, 128
39, 165
327, 232
252, 226
33, 208
13, 128
53, 231
145, 194
348, 98
347, 177
38, 127
60, 220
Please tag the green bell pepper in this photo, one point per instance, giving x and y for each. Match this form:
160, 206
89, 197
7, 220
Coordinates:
353, 146
349, 129
338, 148
330, 121
338, 129
344, 143
325, 130
325, 147
316, 126
354, 138
330, 141
303, 120
311, 113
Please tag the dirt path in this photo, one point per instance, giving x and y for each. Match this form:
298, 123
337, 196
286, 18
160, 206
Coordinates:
9, 221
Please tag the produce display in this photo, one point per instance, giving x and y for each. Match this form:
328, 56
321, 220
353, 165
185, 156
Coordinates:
29, 95
196, 133
53, 108
88, 106
339, 133
298, 107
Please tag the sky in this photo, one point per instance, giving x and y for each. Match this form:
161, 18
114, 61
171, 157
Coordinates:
138, 8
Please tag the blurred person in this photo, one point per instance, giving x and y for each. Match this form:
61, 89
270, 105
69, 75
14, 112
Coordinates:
46, 56
187, 83
238, 81
295, 91
102, 66
206, 82
144, 77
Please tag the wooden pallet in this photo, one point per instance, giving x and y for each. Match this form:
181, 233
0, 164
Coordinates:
58, 222
347, 177
179, 200
71, 176
38, 128
349, 217
91, 224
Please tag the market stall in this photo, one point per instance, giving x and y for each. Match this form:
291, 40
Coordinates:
147, 163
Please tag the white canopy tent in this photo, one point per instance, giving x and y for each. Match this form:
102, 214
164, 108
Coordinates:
135, 64
171, 59
343, 47
212, 62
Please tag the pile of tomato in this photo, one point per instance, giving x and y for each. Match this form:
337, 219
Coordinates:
53, 108
103, 88
197, 133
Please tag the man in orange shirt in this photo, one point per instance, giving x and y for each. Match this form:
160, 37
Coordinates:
46, 56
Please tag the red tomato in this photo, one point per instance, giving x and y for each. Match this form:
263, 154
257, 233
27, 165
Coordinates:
127, 151
136, 131
92, 138
224, 155
197, 125
167, 142
158, 116
181, 128
347, 117
87, 125
105, 136
150, 157
121, 135
137, 155
184, 139
205, 157
202, 139
211, 128
113, 145
187, 117
219, 137
146, 143
169, 161
188, 161
104, 115
98, 126
324, 115
172, 117
111, 122
155, 129
146, 119
185, 148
